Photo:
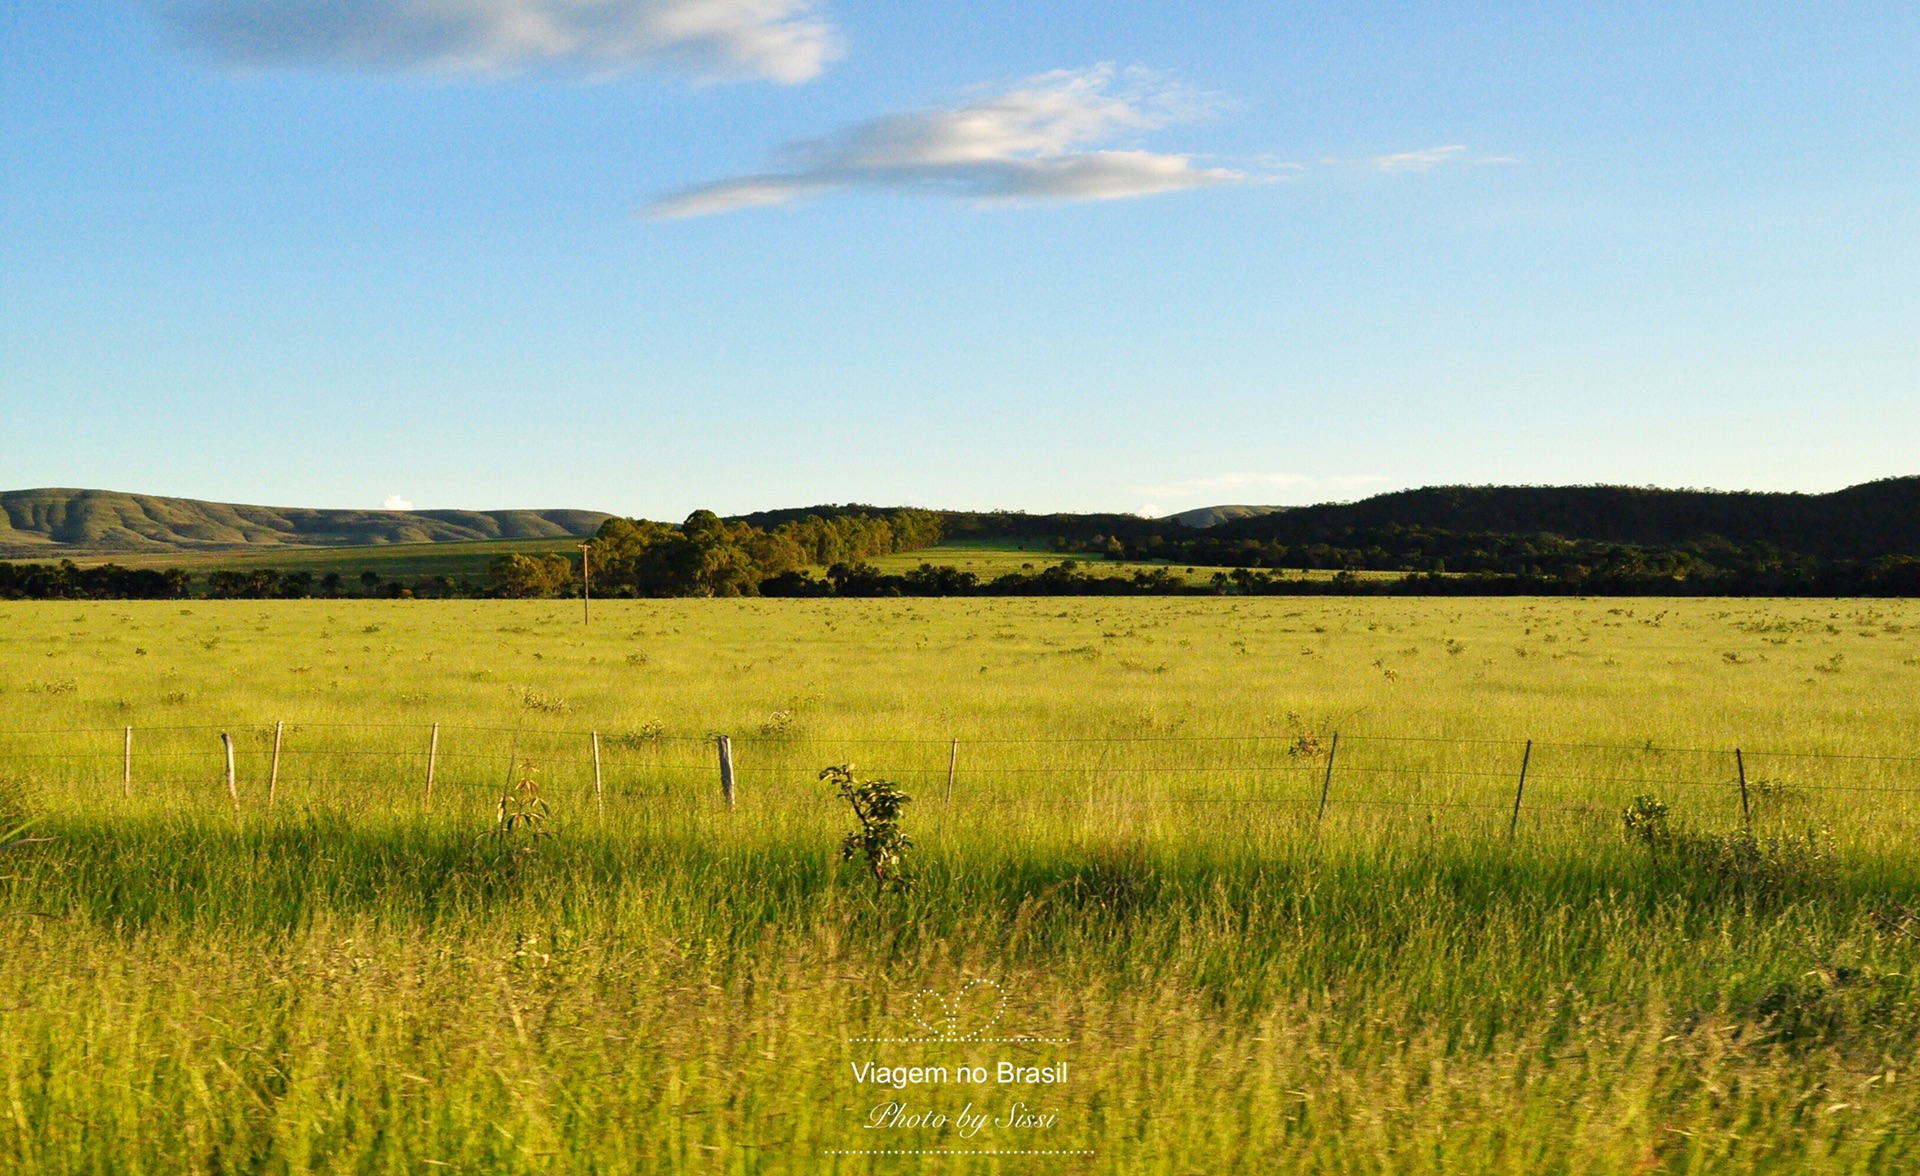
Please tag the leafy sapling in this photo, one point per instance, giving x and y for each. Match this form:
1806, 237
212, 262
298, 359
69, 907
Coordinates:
521, 808
877, 804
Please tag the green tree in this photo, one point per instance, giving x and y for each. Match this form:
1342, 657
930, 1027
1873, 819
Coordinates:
530, 576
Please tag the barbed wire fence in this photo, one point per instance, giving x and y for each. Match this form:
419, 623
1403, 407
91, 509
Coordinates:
1508, 781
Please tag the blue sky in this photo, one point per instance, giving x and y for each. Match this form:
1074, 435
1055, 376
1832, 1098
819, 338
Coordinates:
653, 255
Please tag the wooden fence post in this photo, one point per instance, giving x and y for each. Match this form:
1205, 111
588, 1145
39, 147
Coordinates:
273, 777
1746, 807
126, 768
506, 790
599, 797
953, 761
433, 756
1326, 785
726, 767
1526, 757
233, 787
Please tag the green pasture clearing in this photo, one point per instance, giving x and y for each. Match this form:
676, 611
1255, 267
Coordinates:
471, 560
389, 561
988, 558
353, 981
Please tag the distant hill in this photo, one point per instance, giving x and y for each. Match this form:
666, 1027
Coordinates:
1867, 521
1213, 516
55, 523
1493, 526
1862, 522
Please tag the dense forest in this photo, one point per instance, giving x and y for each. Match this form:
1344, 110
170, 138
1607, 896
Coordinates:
710, 556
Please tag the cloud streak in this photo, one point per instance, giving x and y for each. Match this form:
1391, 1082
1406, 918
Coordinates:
777, 40
1418, 161
1038, 141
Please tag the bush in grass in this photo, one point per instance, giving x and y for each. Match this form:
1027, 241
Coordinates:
1738, 860
877, 804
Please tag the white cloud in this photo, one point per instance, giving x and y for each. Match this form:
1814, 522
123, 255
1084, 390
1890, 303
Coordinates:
1221, 488
780, 40
1034, 142
1418, 161
395, 502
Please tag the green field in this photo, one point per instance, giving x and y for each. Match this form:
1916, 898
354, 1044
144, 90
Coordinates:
988, 558
355, 980
469, 560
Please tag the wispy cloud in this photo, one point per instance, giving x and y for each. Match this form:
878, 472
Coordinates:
1219, 488
1037, 141
395, 502
1424, 160
779, 40
1418, 161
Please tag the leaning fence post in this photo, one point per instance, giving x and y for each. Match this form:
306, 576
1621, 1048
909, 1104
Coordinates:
599, 797
273, 777
1746, 807
126, 768
433, 755
1526, 757
1326, 785
506, 790
233, 787
953, 761
726, 767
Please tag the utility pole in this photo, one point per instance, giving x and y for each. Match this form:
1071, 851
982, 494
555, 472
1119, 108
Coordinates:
586, 584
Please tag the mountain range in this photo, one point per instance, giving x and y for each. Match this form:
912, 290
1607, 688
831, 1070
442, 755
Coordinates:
1867, 521
56, 523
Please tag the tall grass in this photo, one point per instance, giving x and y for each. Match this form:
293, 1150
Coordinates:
349, 983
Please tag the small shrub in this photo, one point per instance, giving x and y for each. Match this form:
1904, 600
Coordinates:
533, 700
1827, 1003
877, 805
1306, 743
647, 733
1738, 860
521, 808
1646, 821
1775, 792
15, 819
779, 724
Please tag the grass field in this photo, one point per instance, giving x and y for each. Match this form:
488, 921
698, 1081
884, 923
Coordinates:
988, 558
355, 981
468, 560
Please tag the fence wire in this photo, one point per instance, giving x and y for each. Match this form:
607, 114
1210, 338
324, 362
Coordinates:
1510, 780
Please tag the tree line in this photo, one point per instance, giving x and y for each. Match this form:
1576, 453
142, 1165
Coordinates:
553, 575
710, 556
1892, 576
1470, 541
67, 581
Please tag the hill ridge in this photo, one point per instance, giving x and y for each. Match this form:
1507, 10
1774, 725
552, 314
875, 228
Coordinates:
1866, 520
55, 522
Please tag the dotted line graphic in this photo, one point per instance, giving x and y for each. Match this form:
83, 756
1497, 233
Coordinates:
960, 1041
951, 1151
952, 1009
